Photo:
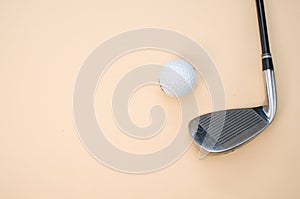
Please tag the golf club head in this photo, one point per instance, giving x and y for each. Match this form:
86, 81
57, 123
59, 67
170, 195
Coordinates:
224, 130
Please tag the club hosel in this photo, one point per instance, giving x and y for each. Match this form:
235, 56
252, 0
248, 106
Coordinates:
271, 106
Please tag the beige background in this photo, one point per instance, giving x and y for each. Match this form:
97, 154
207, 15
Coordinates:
43, 44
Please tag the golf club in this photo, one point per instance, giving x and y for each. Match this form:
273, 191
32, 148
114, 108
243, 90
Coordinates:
224, 130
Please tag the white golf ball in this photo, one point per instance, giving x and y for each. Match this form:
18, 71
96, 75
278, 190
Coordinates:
177, 78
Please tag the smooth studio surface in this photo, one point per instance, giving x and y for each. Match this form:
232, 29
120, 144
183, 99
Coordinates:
43, 45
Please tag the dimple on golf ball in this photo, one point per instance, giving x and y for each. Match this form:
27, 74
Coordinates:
177, 78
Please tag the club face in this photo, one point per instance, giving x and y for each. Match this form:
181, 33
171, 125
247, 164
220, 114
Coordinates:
224, 130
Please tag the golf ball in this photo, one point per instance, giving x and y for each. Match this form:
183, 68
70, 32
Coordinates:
177, 78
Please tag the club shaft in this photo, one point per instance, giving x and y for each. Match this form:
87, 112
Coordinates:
266, 54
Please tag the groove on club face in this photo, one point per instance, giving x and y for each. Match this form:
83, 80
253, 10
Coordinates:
225, 130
